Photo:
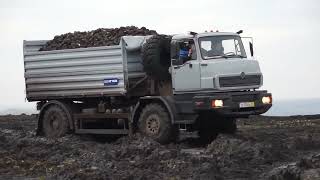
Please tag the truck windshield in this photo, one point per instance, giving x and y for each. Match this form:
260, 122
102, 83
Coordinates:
213, 47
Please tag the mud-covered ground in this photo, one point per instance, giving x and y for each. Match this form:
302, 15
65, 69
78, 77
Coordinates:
264, 148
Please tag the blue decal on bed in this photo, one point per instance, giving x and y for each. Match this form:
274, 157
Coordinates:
111, 81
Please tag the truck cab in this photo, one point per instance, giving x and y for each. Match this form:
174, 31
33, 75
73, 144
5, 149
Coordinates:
217, 74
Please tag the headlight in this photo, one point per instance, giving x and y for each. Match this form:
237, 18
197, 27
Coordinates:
267, 100
216, 103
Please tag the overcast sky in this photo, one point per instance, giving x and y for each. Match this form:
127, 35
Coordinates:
286, 34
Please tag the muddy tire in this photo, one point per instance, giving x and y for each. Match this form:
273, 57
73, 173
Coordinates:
55, 122
207, 126
155, 123
228, 126
156, 57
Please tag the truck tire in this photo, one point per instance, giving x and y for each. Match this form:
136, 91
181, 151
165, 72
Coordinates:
207, 135
155, 122
228, 125
156, 57
207, 128
207, 131
55, 122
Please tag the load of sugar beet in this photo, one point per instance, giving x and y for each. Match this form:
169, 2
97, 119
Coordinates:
155, 52
95, 38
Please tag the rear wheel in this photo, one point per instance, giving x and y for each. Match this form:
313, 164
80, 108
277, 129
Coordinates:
155, 122
55, 122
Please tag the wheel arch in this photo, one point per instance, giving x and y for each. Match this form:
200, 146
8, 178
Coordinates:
166, 102
66, 107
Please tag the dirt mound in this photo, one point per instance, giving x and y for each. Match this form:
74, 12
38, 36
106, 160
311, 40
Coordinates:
305, 169
230, 148
94, 38
240, 156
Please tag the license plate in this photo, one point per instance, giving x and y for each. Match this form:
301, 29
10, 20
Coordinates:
246, 104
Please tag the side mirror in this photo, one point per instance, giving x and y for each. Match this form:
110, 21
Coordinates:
251, 48
175, 60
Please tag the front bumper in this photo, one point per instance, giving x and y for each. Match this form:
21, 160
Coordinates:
231, 103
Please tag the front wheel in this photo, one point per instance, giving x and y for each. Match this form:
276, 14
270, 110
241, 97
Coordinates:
228, 125
155, 122
207, 135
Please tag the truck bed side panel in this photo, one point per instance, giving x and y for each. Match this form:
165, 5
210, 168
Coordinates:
73, 72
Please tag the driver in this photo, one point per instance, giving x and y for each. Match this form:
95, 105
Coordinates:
216, 49
184, 53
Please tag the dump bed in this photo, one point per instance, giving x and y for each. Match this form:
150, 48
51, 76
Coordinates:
82, 72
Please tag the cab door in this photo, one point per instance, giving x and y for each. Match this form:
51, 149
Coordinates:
185, 73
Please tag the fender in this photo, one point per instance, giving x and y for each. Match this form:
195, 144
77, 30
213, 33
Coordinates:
65, 108
167, 101
133, 112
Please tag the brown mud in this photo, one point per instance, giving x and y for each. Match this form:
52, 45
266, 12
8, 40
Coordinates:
264, 148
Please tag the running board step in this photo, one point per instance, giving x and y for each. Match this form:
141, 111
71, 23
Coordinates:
102, 131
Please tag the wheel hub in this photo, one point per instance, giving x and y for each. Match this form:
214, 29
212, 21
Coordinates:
54, 122
153, 125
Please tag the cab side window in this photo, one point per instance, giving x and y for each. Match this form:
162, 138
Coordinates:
187, 51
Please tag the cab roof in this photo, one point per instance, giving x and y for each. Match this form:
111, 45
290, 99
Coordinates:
189, 36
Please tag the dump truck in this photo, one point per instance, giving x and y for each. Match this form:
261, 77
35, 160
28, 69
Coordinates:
160, 86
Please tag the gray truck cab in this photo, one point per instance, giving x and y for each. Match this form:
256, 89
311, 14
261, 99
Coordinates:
216, 58
217, 69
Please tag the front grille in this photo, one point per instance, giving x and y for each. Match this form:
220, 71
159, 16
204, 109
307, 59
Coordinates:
238, 81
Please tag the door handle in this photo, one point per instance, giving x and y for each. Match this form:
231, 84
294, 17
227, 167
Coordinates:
176, 67
190, 65
202, 64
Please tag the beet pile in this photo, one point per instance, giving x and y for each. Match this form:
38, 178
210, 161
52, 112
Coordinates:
95, 38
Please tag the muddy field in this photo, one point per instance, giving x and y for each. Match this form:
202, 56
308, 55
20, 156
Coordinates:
264, 148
